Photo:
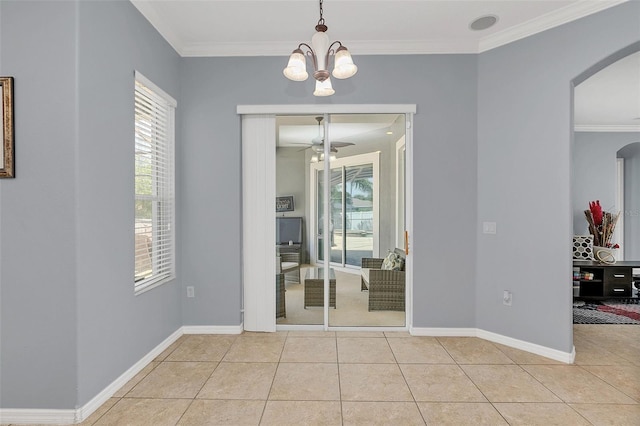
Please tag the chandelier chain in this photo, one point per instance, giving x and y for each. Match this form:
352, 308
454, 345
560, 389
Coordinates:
321, 20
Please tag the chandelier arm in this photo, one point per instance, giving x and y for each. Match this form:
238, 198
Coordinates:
310, 53
332, 53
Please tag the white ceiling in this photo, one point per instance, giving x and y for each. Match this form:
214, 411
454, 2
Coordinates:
610, 99
276, 27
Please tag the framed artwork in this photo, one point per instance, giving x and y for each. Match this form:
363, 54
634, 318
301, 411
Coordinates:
284, 204
6, 154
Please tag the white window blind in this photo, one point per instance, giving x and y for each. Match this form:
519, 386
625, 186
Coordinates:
154, 185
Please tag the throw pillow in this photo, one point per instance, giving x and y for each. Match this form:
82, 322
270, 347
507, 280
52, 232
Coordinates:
392, 262
583, 247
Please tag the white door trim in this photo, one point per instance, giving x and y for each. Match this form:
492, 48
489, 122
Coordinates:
618, 236
327, 109
400, 188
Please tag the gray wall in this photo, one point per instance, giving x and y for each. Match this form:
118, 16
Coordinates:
593, 167
524, 157
444, 88
70, 322
38, 287
115, 327
290, 180
290, 172
631, 155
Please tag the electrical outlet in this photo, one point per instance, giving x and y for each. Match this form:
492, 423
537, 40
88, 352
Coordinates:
507, 298
191, 291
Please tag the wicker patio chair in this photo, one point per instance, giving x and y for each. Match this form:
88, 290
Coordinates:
281, 305
386, 288
291, 266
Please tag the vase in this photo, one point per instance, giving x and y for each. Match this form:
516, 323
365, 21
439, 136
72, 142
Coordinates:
605, 254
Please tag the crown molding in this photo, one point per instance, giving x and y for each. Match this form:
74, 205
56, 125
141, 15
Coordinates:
607, 128
370, 47
550, 20
148, 11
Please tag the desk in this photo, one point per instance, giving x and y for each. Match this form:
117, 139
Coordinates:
314, 287
609, 281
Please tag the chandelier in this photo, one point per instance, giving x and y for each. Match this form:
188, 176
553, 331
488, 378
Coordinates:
320, 51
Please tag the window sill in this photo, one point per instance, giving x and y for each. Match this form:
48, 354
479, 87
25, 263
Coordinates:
152, 284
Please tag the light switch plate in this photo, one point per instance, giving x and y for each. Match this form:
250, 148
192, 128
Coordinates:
488, 227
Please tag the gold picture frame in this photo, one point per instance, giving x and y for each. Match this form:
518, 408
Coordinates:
7, 169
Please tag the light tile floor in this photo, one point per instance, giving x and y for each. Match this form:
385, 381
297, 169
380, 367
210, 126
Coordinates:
380, 378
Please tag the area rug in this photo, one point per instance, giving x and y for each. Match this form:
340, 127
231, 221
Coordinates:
611, 311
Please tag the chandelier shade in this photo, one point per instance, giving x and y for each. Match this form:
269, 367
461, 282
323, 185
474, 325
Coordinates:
296, 69
344, 66
323, 88
320, 52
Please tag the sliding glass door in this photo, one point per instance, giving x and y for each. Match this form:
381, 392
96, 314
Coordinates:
354, 210
352, 167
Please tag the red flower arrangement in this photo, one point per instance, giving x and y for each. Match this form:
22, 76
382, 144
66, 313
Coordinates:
601, 225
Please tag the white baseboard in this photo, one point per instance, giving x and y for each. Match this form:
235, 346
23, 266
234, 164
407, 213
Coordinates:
87, 409
36, 416
39, 416
443, 332
42, 416
566, 357
213, 329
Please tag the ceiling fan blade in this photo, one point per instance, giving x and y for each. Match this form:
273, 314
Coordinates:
299, 143
341, 144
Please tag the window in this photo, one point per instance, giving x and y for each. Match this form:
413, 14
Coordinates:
154, 185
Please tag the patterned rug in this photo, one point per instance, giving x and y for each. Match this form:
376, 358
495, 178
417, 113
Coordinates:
611, 311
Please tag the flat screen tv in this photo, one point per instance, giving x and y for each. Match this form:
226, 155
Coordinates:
288, 229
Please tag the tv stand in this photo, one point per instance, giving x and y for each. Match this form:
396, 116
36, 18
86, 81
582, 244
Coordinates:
604, 281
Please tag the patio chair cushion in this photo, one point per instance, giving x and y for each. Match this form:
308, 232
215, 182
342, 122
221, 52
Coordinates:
393, 262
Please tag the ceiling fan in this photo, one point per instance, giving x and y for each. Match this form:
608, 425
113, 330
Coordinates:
317, 143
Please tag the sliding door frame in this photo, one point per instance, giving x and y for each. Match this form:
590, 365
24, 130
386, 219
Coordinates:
258, 211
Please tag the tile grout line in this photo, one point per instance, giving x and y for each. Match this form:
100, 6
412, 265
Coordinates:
120, 398
206, 380
405, 381
339, 383
474, 383
264, 408
609, 383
